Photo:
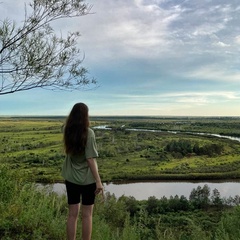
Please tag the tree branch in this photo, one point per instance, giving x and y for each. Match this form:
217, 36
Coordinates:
33, 56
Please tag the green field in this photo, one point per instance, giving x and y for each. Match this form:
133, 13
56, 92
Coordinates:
34, 147
31, 149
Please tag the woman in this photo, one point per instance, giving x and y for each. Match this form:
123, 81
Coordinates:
80, 170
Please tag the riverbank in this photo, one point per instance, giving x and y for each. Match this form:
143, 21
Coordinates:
228, 176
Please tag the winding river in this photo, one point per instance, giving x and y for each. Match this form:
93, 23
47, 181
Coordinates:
143, 190
105, 127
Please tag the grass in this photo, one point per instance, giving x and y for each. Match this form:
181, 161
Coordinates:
31, 213
28, 212
31, 150
34, 147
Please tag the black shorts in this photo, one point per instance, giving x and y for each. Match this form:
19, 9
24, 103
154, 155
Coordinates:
75, 191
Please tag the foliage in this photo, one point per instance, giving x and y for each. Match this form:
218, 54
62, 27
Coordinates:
34, 213
34, 56
199, 197
184, 147
29, 213
229, 226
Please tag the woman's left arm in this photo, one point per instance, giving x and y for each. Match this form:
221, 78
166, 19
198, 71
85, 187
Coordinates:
94, 169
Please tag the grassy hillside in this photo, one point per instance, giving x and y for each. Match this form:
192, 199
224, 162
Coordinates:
31, 213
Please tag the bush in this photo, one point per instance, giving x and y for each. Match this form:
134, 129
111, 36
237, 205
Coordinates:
28, 213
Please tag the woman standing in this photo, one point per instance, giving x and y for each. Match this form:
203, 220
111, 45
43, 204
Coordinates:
80, 170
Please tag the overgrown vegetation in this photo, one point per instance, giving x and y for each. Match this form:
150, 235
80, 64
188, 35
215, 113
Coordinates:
182, 148
28, 212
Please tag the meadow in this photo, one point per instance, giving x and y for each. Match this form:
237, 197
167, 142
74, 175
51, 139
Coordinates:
31, 151
34, 147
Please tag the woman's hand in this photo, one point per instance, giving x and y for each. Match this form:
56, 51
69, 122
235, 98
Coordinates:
99, 188
93, 166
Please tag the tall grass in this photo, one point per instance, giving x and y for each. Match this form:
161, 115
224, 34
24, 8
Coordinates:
29, 213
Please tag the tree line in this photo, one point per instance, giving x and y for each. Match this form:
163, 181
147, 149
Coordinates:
185, 147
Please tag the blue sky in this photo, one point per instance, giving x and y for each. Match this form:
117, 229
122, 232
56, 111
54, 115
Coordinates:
150, 57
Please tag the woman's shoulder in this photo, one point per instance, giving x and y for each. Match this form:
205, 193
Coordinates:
90, 132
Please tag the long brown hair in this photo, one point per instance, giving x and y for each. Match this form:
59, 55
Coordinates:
76, 129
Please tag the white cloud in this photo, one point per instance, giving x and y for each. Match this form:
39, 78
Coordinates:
237, 39
221, 44
194, 100
129, 28
204, 98
215, 73
182, 97
207, 29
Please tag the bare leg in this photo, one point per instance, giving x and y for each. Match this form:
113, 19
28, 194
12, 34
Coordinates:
87, 211
72, 221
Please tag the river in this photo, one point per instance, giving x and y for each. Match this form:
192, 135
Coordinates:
105, 127
143, 190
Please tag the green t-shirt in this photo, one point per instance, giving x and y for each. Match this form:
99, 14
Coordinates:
75, 168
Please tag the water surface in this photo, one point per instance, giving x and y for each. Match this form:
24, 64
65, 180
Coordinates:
143, 190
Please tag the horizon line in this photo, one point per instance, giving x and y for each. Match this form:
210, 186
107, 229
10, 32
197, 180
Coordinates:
150, 116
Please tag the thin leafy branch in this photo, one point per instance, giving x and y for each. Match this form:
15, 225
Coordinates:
34, 56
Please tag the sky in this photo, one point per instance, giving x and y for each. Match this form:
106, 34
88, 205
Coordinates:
150, 57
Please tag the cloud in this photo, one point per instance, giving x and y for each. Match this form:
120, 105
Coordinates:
188, 35
180, 97
214, 73
164, 56
237, 39
221, 44
136, 28
206, 98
